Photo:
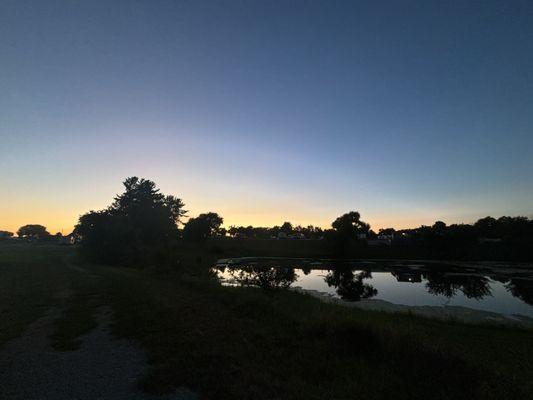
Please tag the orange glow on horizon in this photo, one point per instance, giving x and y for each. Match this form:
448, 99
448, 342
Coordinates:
64, 220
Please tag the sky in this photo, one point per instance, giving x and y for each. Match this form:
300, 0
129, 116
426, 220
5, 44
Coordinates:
268, 111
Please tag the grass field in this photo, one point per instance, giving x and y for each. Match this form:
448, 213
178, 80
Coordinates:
237, 343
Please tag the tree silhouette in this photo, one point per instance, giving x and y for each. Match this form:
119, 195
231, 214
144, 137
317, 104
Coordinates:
203, 226
349, 225
345, 231
286, 228
33, 232
138, 221
5, 235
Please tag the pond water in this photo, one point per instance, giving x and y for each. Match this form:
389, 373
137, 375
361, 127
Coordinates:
504, 289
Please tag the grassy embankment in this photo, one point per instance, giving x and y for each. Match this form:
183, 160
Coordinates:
229, 343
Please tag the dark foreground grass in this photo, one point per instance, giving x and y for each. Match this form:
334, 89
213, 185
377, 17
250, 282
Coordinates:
38, 279
234, 343
78, 316
32, 280
230, 343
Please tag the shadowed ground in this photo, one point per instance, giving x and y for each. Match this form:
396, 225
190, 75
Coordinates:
75, 330
102, 368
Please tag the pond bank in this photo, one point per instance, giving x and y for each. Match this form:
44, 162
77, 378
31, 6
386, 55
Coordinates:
445, 313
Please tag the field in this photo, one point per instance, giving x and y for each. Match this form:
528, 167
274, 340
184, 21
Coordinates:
235, 343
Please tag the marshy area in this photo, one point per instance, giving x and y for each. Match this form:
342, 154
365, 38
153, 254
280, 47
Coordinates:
201, 338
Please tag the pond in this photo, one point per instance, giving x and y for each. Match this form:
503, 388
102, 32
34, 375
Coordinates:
498, 288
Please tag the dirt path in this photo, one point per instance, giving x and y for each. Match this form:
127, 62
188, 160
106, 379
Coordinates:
103, 368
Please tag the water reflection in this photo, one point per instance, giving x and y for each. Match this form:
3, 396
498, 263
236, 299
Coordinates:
403, 275
261, 276
503, 289
447, 285
349, 284
521, 288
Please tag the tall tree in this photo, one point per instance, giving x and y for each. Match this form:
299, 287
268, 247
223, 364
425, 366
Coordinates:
138, 221
349, 225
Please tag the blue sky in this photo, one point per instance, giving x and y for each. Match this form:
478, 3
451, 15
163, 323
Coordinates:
268, 111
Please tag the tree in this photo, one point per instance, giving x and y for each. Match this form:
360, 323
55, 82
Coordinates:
148, 209
33, 232
439, 228
486, 227
202, 227
286, 228
349, 225
5, 235
345, 231
137, 223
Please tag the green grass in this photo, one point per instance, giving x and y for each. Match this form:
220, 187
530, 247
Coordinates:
237, 343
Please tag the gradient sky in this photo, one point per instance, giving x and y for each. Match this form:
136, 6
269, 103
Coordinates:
266, 111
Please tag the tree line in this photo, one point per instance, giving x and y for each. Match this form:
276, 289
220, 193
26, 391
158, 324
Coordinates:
142, 223
31, 232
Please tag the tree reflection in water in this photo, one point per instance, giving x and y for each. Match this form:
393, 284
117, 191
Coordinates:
352, 284
472, 286
521, 288
349, 285
264, 277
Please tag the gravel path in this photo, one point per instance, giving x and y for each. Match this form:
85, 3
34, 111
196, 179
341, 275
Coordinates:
103, 368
